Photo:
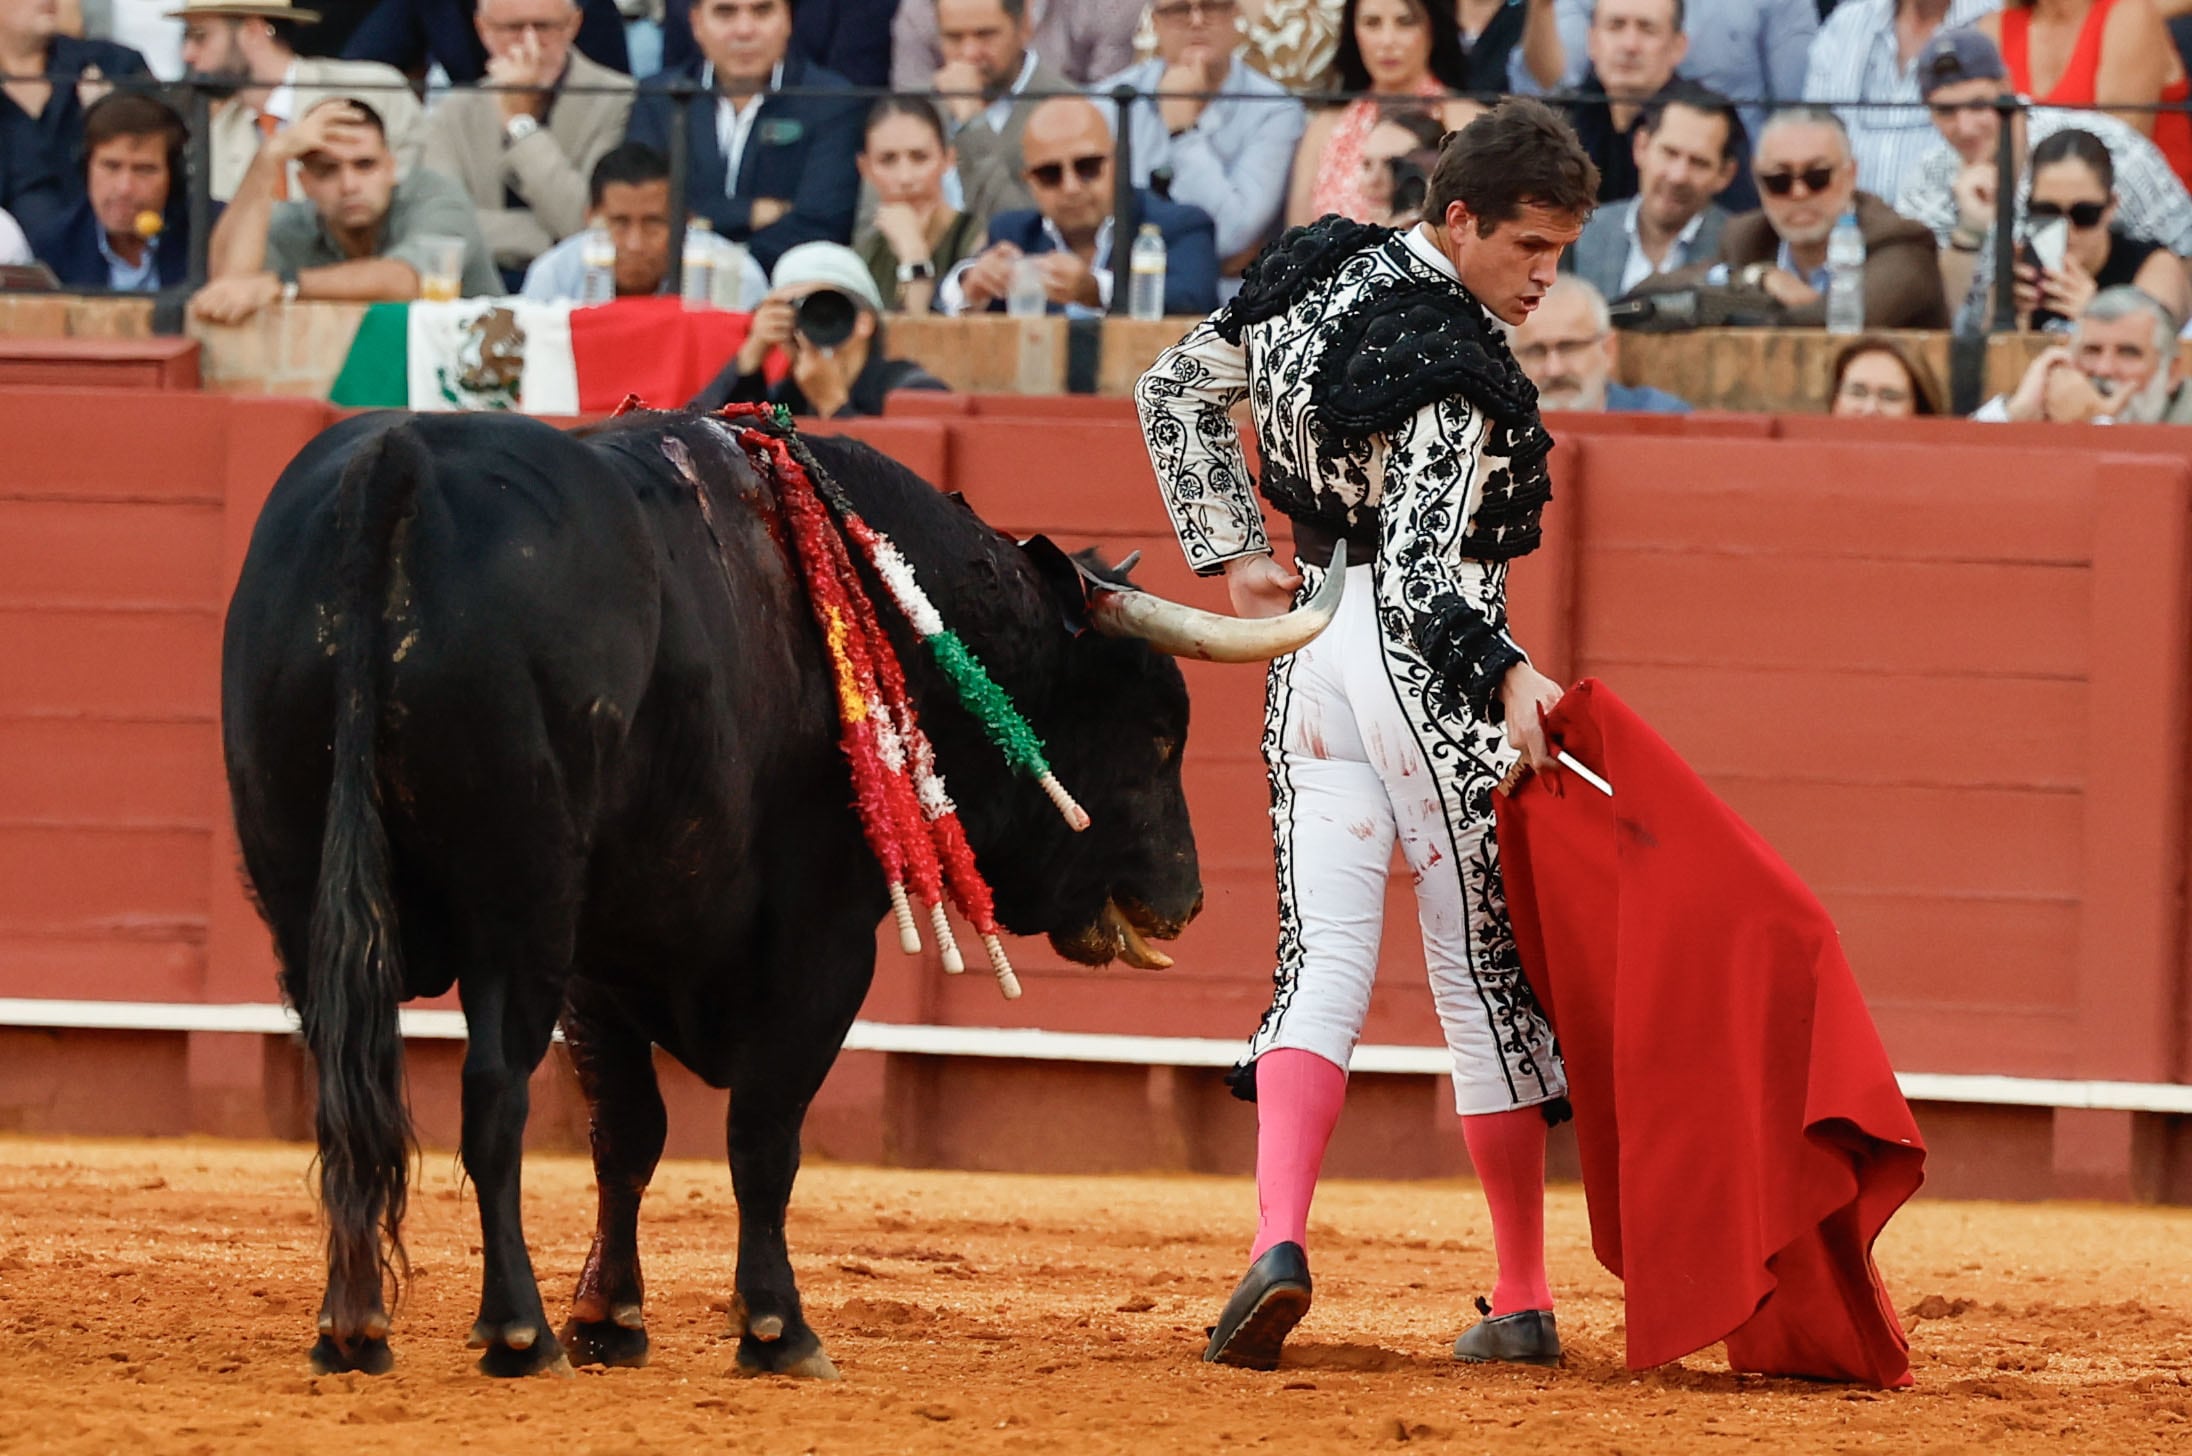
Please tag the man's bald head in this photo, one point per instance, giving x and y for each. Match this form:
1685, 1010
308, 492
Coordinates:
1065, 155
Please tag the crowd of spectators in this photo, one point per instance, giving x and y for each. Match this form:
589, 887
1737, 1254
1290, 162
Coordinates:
1731, 136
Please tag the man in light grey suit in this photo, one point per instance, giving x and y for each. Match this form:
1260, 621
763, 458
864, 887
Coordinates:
1687, 149
525, 143
248, 48
989, 61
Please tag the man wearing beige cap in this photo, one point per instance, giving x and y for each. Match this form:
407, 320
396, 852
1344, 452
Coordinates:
248, 48
825, 313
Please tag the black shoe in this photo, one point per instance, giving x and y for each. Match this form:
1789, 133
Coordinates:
1527, 1337
1269, 1301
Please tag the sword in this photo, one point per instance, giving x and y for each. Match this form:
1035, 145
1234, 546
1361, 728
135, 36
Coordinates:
1567, 760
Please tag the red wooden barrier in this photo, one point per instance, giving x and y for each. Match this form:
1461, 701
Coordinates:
1942, 667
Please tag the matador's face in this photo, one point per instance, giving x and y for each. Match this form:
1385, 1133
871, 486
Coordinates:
1510, 267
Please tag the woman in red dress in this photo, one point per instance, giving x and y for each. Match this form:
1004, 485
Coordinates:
2099, 54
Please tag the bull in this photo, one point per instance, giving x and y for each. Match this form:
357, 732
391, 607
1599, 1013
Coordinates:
502, 710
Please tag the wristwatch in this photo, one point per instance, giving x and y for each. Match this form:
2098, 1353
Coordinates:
921, 270
1754, 274
289, 291
518, 128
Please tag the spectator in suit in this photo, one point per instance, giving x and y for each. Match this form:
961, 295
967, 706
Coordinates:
1084, 39
360, 234
1569, 349
249, 49
768, 170
1230, 155
1068, 151
1779, 253
1687, 148
839, 365
917, 236
412, 34
131, 232
1634, 46
850, 37
629, 192
993, 70
523, 147
41, 112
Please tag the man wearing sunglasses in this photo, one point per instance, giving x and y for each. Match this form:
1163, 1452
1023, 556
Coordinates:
1392, 417
1951, 187
1069, 233
1807, 178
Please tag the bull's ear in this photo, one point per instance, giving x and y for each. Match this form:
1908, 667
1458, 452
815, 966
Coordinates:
1068, 587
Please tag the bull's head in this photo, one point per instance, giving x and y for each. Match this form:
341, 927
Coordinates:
1116, 738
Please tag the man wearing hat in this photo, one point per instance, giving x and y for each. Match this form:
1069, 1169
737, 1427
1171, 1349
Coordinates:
248, 49
826, 315
1867, 50
1951, 187
42, 112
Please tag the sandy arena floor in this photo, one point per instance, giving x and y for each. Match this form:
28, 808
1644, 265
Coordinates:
158, 1297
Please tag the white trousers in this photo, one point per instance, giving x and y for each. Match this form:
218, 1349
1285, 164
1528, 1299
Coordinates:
1358, 762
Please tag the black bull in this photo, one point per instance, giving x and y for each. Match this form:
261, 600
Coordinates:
499, 713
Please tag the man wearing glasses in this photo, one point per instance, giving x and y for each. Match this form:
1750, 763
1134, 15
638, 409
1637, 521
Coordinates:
1070, 233
1807, 178
524, 145
1223, 132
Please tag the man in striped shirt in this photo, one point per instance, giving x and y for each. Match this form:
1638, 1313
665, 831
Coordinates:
1950, 188
1867, 51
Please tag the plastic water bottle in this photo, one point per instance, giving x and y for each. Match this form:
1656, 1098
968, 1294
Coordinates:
1145, 296
699, 289
1846, 277
599, 254
730, 280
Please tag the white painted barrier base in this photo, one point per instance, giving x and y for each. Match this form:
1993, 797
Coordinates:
1030, 1044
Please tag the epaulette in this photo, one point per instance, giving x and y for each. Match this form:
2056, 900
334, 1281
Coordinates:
1290, 265
1405, 347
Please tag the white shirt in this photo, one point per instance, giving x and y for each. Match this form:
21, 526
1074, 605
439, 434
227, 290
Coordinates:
281, 102
1430, 252
1638, 266
14, 247
734, 123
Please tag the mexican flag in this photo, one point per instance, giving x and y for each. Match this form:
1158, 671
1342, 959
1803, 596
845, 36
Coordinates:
542, 358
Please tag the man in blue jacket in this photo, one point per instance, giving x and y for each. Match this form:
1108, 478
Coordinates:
41, 111
768, 170
1066, 156
130, 232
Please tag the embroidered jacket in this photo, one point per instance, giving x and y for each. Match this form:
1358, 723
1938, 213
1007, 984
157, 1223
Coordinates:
1389, 412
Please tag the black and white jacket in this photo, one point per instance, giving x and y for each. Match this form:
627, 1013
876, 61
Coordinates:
1388, 412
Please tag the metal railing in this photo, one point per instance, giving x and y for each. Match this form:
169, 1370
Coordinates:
195, 101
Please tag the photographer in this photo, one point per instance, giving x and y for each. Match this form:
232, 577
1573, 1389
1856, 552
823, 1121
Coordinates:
824, 314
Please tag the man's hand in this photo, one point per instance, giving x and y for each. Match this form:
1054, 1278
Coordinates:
1260, 586
2071, 398
1974, 192
820, 375
767, 211
1525, 694
1786, 289
989, 277
964, 77
2029, 400
91, 84
772, 328
902, 228
1177, 106
232, 300
1066, 279
519, 80
338, 124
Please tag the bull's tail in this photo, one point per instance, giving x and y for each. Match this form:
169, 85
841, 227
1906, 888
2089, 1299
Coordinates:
354, 977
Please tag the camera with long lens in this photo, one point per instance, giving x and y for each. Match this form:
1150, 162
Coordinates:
825, 317
1411, 184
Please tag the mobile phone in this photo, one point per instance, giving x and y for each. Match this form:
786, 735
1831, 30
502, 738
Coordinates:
2046, 242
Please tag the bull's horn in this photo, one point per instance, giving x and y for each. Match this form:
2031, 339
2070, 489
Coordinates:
1185, 631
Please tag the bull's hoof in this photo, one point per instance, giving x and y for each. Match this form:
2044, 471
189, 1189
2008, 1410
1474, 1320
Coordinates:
605, 1342
800, 1354
366, 1356
514, 1350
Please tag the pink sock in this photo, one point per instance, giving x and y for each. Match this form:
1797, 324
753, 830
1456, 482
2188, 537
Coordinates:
1298, 1097
1508, 1149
